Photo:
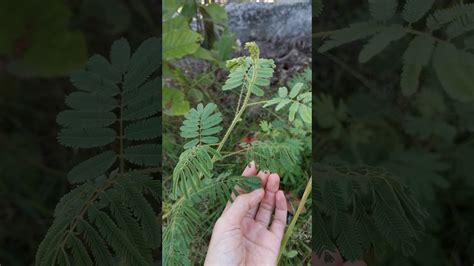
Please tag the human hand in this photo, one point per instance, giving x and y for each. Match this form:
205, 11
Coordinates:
243, 234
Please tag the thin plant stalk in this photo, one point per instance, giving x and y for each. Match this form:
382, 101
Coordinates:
292, 225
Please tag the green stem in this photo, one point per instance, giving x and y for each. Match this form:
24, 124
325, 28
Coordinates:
256, 103
239, 113
292, 225
426, 34
234, 153
121, 162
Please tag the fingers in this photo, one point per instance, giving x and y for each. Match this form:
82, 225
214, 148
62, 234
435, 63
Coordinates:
241, 205
265, 210
263, 177
250, 170
279, 219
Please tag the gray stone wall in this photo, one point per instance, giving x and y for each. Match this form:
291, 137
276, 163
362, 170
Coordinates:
288, 25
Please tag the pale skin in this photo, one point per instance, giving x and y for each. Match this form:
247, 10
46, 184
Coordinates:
250, 230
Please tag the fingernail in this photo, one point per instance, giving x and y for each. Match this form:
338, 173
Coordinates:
250, 164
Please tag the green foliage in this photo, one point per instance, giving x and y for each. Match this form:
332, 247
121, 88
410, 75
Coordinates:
382, 10
416, 57
414, 10
420, 171
329, 115
195, 194
200, 125
174, 102
451, 63
277, 157
37, 39
407, 122
299, 102
109, 210
185, 217
211, 41
317, 6
192, 163
248, 73
363, 206
179, 42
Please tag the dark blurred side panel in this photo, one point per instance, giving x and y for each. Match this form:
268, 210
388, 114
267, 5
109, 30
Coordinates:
41, 43
393, 138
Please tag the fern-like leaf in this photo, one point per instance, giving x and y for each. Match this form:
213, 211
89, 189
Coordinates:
460, 26
144, 154
116, 238
200, 125
354, 32
414, 10
92, 168
83, 101
143, 108
416, 57
99, 65
279, 157
86, 137
178, 233
192, 164
184, 217
126, 220
453, 67
420, 170
299, 102
383, 10
96, 244
251, 73
91, 82
380, 41
144, 212
79, 252
108, 211
442, 17
144, 61
85, 119
365, 207
120, 55
143, 130
347, 238
236, 77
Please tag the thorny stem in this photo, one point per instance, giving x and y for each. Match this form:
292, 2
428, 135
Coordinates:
291, 227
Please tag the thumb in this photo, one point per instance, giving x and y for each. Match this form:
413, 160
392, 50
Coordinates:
242, 204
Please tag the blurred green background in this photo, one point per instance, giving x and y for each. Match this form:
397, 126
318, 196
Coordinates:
41, 42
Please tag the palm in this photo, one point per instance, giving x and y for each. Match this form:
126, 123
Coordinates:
260, 245
243, 235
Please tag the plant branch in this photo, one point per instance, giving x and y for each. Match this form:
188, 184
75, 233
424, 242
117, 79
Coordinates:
121, 162
292, 225
234, 153
256, 103
239, 113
